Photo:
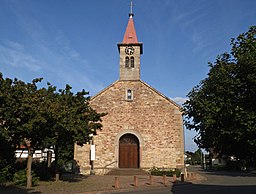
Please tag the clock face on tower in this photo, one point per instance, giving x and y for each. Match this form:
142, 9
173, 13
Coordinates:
129, 50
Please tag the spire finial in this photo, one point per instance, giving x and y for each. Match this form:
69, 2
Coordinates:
131, 12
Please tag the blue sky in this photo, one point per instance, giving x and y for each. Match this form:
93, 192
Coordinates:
75, 41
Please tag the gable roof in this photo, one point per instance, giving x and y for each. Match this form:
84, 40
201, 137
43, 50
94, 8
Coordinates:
145, 84
160, 94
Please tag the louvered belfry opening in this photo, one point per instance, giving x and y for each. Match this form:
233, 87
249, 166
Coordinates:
129, 151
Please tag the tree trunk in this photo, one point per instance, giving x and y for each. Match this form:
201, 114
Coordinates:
29, 166
49, 159
57, 173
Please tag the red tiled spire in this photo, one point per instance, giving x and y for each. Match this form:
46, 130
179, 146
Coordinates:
130, 33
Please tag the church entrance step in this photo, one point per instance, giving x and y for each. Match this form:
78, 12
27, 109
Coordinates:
127, 172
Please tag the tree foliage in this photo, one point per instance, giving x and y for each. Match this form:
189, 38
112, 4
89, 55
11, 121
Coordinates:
42, 117
70, 119
194, 158
222, 108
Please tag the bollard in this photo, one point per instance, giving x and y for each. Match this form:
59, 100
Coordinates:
135, 180
150, 179
164, 180
116, 182
182, 177
188, 175
185, 173
174, 178
57, 175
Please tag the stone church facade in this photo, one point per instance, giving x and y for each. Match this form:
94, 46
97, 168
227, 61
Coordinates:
142, 128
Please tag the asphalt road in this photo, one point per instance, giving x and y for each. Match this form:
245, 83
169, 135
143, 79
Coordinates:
215, 183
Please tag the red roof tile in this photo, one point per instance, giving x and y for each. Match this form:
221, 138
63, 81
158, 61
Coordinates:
130, 33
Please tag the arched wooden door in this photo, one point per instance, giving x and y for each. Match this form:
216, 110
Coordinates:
129, 151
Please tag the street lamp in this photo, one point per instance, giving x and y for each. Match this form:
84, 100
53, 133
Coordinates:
92, 155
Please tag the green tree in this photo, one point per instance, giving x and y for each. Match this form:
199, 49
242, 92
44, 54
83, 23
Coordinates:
37, 117
71, 120
222, 108
194, 158
7, 149
22, 117
7, 159
197, 157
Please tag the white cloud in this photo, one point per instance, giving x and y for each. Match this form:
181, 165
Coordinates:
14, 54
190, 145
185, 16
51, 48
179, 100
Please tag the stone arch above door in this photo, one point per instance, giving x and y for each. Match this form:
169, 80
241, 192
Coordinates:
136, 133
119, 135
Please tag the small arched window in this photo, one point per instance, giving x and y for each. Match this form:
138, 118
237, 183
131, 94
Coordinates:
132, 62
129, 95
126, 62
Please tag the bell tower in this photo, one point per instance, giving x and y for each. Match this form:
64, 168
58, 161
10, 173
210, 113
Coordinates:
130, 50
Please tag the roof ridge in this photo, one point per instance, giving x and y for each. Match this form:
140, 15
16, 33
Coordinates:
155, 90
152, 88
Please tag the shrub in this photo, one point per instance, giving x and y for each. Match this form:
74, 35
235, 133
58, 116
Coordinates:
40, 169
6, 174
162, 171
20, 178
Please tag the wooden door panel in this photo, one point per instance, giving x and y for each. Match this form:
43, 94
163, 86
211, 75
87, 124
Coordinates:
128, 151
128, 156
133, 156
124, 156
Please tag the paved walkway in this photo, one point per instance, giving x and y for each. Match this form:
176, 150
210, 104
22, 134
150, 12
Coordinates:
205, 182
127, 184
91, 185
209, 182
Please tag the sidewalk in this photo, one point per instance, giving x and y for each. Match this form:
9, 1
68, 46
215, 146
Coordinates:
101, 184
77, 184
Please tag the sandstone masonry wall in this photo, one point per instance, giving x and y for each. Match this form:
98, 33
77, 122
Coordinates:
154, 119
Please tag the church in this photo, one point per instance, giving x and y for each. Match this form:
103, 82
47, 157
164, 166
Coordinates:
142, 128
